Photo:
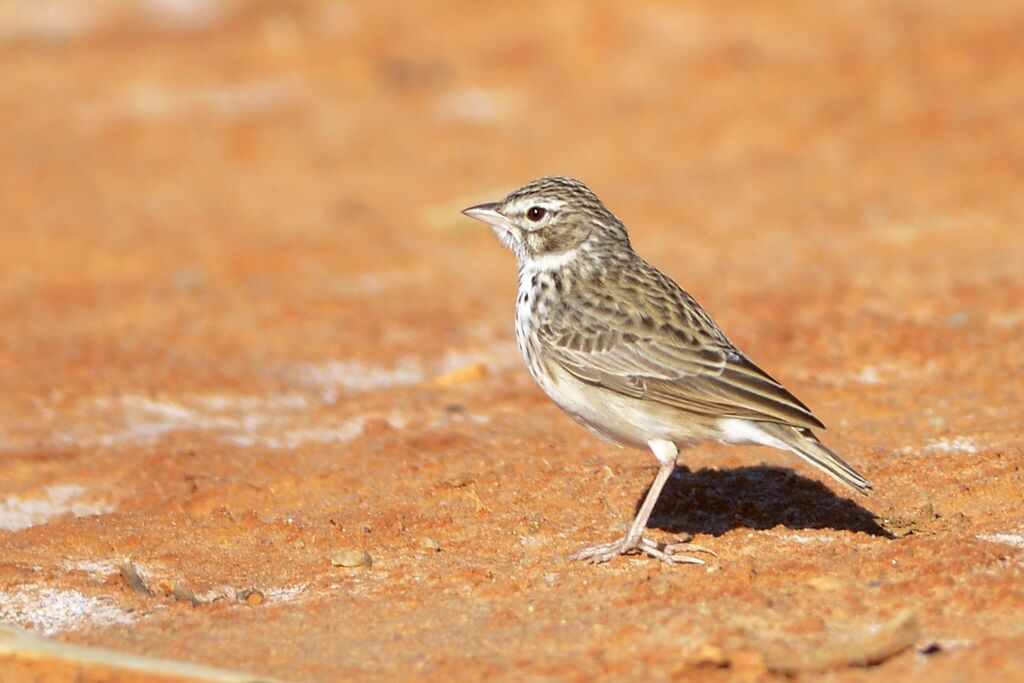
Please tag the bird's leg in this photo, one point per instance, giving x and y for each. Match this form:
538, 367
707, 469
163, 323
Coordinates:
666, 453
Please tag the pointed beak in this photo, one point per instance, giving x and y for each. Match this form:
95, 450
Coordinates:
488, 213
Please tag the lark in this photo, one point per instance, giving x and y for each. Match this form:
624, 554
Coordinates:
630, 355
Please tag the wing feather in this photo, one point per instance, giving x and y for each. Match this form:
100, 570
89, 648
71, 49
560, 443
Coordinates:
692, 367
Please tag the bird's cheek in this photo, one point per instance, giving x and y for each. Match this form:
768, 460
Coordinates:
508, 237
535, 243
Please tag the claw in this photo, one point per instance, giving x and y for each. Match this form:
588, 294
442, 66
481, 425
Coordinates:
625, 545
672, 548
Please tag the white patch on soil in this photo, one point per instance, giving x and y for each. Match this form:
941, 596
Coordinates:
868, 375
153, 101
285, 594
356, 376
96, 569
1016, 540
957, 444
17, 512
51, 611
293, 438
474, 105
284, 421
144, 419
875, 374
56, 21
798, 538
944, 445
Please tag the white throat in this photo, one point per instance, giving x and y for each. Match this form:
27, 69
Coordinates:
548, 262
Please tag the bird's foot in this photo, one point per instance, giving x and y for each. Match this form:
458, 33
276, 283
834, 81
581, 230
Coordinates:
666, 552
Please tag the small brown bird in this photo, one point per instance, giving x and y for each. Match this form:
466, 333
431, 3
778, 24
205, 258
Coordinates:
629, 354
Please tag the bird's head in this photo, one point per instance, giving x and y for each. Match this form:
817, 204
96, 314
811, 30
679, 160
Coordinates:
550, 218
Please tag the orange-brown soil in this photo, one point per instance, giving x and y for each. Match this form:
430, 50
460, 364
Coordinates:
246, 337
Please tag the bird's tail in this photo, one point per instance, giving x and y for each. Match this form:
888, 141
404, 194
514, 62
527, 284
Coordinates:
804, 443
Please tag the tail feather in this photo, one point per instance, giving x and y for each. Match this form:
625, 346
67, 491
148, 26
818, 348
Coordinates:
804, 443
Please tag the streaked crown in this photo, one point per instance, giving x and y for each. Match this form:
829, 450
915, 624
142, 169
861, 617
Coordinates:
550, 216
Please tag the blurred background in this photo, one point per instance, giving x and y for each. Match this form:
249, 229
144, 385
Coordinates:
188, 171
236, 289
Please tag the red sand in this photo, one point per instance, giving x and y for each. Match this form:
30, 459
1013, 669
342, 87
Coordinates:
234, 270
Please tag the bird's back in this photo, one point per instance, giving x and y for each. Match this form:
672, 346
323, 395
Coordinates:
616, 322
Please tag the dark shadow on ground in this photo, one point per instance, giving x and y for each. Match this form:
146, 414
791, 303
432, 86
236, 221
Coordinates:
717, 501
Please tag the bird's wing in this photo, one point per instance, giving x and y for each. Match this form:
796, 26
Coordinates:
687, 363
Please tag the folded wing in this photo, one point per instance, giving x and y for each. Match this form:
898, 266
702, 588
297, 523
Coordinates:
691, 366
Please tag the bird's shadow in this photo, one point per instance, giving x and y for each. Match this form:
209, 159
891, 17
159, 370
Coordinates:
761, 497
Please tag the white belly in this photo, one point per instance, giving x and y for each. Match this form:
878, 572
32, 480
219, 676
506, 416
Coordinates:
617, 418
612, 416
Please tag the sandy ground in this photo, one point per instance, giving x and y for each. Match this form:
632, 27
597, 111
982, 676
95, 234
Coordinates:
246, 338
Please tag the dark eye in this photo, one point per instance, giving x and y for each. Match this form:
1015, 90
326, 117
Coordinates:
535, 213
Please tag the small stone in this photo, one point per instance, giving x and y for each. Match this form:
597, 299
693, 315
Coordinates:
251, 597
427, 543
825, 582
131, 577
457, 481
182, 594
351, 557
710, 656
468, 373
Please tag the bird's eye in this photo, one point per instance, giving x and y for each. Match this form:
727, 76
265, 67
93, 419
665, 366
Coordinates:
535, 213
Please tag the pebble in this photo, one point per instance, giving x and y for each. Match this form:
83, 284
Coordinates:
427, 543
130, 575
351, 557
826, 582
182, 594
251, 597
710, 656
469, 373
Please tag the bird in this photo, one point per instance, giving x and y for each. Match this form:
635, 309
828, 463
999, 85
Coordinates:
633, 357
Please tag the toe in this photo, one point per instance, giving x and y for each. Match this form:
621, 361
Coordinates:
689, 547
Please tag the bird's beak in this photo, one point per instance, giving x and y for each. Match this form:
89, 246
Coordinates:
488, 213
